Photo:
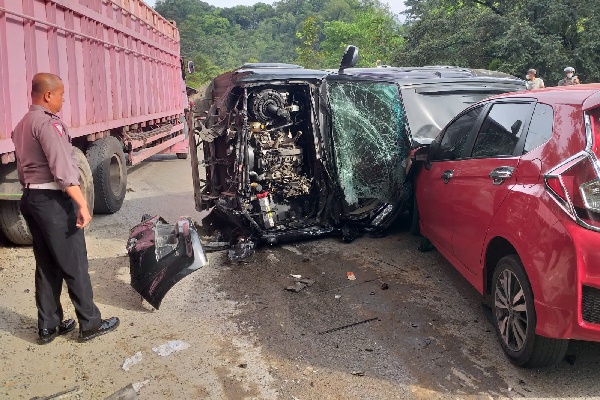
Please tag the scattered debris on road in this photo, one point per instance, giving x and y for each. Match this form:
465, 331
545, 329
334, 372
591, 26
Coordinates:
339, 328
307, 281
76, 391
301, 284
126, 393
296, 287
358, 373
138, 385
161, 254
131, 361
242, 250
170, 347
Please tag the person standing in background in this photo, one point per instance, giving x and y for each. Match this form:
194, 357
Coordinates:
532, 82
570, 78
56, 212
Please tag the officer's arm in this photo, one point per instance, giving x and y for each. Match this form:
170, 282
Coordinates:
83, 215
59, 153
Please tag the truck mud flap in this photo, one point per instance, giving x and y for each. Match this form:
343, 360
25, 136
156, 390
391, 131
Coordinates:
161, 254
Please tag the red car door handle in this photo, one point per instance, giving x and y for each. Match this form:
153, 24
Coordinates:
499, 174
447, 175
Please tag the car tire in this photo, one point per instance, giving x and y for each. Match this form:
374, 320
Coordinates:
107, 162
13, 225
415, 219
182, 156
515, 318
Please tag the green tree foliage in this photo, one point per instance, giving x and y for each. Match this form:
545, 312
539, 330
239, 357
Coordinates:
374, 31
204, 71
508, 35
310, 32
309, 54
178, 10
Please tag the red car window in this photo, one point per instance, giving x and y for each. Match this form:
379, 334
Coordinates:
501, 130
540, 128
456, 136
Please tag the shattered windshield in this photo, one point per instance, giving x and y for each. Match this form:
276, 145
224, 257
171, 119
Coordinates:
429, 110
369, 139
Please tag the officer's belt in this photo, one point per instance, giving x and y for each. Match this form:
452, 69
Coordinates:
47, 186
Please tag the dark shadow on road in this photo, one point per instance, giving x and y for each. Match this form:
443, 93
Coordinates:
109, 287
22, 326
426, 330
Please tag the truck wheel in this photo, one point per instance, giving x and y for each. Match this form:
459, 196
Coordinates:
86, 179
107, 163
13, 224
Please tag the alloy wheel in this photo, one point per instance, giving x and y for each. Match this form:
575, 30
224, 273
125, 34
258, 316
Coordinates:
511, 310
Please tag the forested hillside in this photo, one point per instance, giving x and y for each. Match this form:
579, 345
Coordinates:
313, 33
510, 35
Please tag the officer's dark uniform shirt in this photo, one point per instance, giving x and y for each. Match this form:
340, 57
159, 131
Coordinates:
44, 150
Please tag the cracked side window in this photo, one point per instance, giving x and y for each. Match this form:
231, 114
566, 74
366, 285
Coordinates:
369, 139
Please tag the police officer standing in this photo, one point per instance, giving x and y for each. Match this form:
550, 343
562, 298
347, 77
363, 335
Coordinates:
56, 212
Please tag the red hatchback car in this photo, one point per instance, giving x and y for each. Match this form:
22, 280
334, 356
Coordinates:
509, 193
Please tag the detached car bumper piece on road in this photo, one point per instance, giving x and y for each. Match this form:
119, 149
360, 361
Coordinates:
509, 193
161, 254
282, 153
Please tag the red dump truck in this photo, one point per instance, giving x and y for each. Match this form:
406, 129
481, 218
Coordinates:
124, 91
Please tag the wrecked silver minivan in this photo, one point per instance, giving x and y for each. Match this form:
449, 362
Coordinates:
282, 153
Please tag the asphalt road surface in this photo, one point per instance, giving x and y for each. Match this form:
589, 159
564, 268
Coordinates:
408, 327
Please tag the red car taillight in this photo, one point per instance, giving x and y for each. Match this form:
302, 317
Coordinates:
576, 187
593, 122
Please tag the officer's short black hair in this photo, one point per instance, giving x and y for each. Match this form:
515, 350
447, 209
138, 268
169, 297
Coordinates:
44, 82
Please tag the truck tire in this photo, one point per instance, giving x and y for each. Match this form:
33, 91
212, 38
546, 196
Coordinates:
86, 179
13, 225
107, 162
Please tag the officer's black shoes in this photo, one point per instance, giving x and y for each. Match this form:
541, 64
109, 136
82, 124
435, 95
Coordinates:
48, 335
108, 325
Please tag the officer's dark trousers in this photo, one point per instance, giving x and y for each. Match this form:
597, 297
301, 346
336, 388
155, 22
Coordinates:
60, 253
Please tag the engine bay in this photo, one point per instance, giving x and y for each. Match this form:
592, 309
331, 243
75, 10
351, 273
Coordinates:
272, 146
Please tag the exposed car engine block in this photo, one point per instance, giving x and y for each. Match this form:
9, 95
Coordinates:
276, 153
279, 166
